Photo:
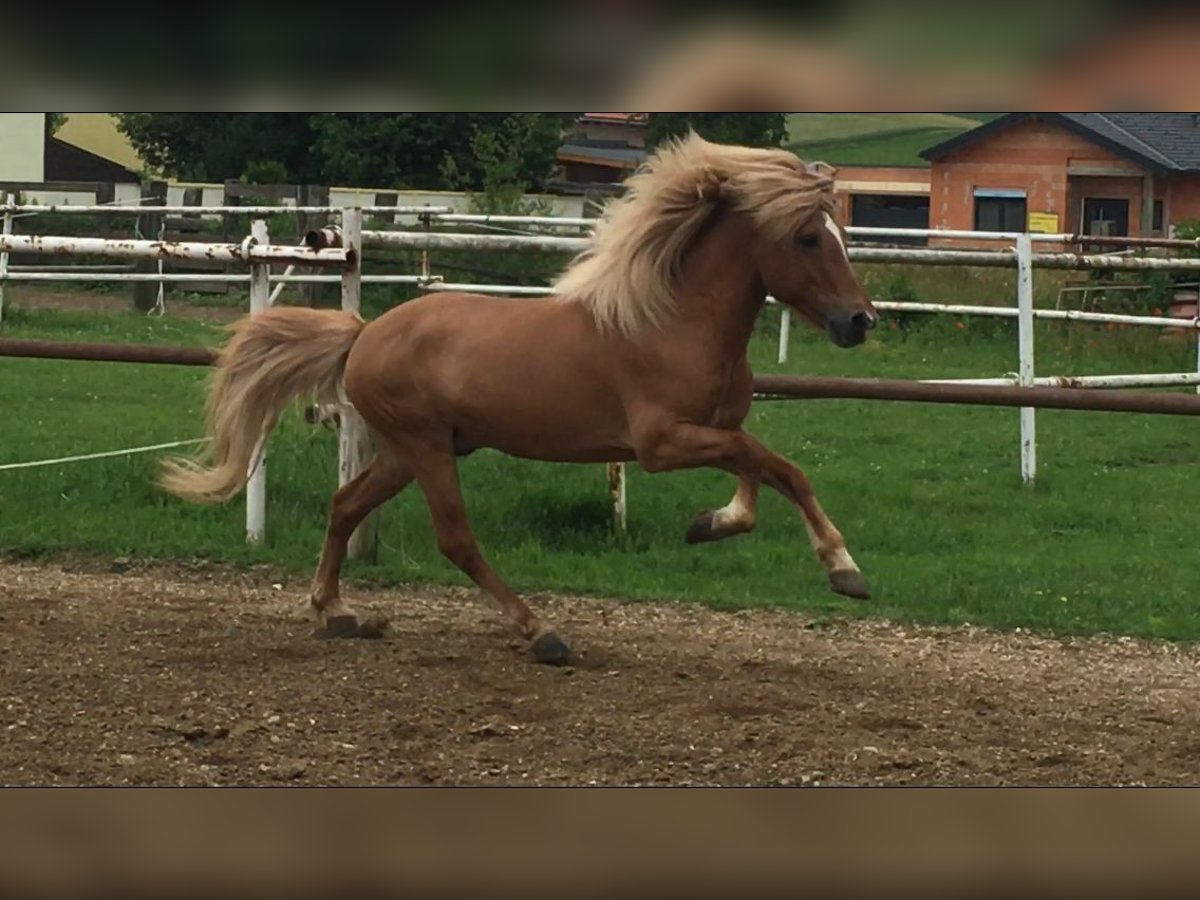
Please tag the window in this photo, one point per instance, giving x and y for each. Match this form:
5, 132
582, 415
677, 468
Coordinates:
1000, 209
891, 211
1156, 220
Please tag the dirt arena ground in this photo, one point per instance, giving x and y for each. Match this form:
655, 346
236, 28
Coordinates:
113, 673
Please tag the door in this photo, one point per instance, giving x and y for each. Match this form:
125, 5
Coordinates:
1106, 216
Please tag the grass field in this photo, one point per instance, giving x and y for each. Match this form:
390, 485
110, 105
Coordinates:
874, 138
810, 127
928, 496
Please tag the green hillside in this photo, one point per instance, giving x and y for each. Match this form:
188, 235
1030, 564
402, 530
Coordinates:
875, 138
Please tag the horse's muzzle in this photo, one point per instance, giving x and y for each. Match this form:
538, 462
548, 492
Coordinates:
850, 331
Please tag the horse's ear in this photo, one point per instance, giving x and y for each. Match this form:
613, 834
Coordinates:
712, 187
820, 169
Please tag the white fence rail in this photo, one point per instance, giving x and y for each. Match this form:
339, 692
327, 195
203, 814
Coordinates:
258, 254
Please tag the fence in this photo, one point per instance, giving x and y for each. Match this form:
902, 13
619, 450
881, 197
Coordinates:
257, 254
1020, 256
1023, 389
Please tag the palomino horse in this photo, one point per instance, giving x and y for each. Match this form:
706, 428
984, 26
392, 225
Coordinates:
640, 355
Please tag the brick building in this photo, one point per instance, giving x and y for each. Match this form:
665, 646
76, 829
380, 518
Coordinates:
884, 197
1088, 173
1084, 173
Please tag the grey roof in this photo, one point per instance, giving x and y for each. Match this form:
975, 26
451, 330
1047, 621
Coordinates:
1175, 137
1163, 142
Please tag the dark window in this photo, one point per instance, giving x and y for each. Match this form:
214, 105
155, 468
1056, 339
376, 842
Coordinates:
891, 211
1156, 220
1000, 214
1106, 216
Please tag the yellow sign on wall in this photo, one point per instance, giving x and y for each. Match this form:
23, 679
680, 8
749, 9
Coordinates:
1045, 222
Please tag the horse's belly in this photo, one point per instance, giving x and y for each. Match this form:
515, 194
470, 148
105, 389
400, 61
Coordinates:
580, 431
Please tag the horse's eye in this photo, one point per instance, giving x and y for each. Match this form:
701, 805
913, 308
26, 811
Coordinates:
808, 240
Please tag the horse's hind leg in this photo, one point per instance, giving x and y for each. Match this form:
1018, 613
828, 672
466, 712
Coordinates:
436, 473
376, 484
738, 516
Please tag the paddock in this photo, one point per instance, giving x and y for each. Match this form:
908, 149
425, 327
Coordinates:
194, 675
343, 247
200, 674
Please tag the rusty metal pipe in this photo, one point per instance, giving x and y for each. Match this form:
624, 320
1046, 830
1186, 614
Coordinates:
788, 387
98, 352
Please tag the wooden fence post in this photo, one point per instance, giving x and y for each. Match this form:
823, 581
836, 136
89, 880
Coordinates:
145, 293
311, 195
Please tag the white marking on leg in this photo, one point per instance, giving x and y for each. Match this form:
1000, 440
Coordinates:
736, 514
840, 559
832, 556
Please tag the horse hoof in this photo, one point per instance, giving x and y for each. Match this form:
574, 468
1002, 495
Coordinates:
373, 628
551, 650
342, 627
701, 528
850, 583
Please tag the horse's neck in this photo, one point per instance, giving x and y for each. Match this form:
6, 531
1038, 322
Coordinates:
720, 293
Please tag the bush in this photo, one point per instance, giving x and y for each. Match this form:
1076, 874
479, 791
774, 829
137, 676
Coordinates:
266, 172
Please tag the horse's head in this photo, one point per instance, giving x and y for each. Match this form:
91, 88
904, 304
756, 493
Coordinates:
807, 268
630, 273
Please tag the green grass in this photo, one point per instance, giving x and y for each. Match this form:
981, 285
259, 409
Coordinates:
809, 127
928, 496
895, 148
874, 138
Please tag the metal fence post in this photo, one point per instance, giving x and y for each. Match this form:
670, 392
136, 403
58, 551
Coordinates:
10, 200
256, 486
1195, 325
1025, 373
354, 444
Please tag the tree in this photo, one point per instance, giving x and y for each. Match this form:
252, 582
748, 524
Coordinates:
264, 172
384, 150
504, 165
747, 129
410, 149
54, 121
216, 146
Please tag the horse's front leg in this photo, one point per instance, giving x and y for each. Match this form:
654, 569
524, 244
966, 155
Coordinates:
683, 446
828, 543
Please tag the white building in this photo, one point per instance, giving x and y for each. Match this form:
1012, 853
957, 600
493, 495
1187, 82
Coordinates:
22, 146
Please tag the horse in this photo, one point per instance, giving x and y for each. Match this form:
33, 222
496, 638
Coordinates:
638, 355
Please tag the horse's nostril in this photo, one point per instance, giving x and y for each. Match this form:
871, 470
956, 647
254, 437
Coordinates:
863, 320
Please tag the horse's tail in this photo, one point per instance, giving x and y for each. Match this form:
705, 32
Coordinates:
272, 358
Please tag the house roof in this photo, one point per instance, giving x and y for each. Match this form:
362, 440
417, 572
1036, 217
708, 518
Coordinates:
617, 118
100, 133
603, 153
1162, 142
66, 162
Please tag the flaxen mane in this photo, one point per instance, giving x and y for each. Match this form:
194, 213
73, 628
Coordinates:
629, 272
